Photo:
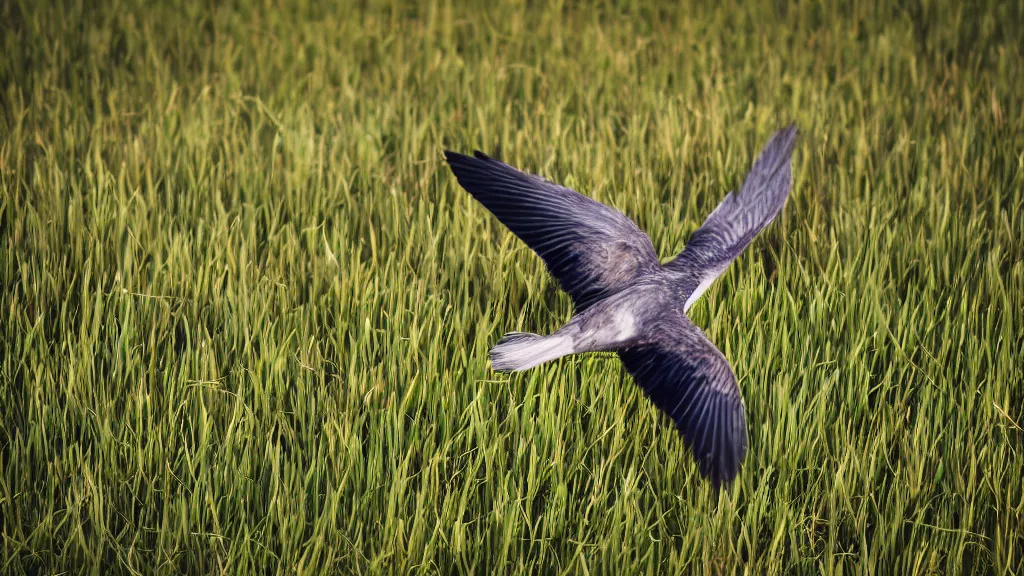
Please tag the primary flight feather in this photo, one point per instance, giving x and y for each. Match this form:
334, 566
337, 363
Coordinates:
629, 303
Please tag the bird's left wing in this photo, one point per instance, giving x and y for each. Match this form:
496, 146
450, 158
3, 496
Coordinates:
592, 249
689, 379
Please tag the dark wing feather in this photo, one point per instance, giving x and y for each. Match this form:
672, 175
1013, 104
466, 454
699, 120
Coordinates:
741, 216
592, 250
689, 379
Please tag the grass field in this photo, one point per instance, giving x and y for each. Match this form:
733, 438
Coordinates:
246, 307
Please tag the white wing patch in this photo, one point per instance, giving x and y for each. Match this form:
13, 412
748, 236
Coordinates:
624, 325
705, 283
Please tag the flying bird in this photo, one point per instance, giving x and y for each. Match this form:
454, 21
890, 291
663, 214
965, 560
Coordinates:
627, 302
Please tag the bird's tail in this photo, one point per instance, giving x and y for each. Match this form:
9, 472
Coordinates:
518, 351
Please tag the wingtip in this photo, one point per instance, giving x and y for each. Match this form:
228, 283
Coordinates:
719, 479
787, 135
452, 157
777, 151
457, 159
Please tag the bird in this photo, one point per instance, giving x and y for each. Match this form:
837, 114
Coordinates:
626, 301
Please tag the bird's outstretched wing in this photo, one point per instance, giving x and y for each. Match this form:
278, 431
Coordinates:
689, 379
740, 216
592, 249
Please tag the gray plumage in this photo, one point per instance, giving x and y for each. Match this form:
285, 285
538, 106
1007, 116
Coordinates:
629, 303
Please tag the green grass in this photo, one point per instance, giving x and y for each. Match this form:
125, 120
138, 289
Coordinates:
246, 308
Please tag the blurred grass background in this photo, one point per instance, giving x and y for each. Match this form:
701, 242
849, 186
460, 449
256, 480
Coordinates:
246, 308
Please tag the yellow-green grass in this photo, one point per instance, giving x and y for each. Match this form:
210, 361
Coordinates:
246, 308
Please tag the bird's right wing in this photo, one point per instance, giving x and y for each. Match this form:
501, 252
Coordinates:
741, 216
592, 249
689, 379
